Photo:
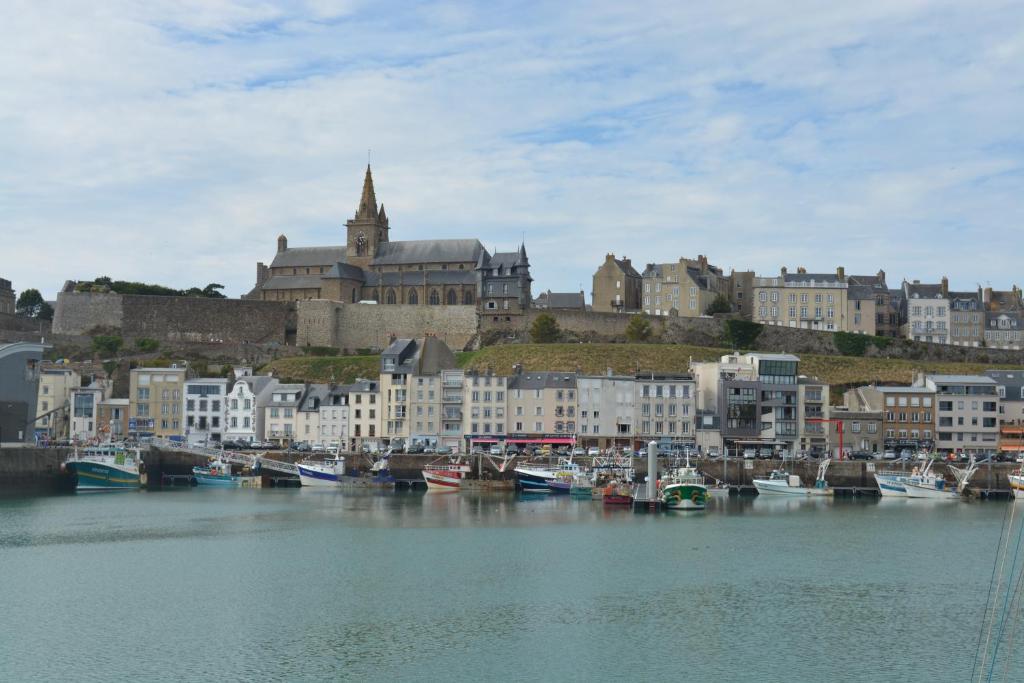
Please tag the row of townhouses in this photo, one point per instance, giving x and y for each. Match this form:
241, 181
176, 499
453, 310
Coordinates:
833, 301
752, 401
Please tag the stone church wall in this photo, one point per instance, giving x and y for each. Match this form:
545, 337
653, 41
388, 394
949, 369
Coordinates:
371, 326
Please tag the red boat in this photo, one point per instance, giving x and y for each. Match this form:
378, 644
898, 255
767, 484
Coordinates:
618, 494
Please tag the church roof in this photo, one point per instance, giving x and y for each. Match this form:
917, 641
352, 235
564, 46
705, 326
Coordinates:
416, 278
293, 282
412, 252
346, 271
308, 256
368, 201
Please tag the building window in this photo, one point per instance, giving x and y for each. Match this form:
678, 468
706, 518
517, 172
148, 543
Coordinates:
452, 299
389, 297
414, 298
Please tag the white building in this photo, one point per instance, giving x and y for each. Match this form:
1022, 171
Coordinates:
334, 418
244, 408
85, 402
606, 410
279, 413
307, 415
967, 412
665, 408
205, 410
927, 311
484, 409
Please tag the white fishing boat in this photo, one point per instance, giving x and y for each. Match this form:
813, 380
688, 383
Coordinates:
326, 472
783, 483
683, 488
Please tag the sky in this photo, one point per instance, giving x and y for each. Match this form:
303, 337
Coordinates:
172, 142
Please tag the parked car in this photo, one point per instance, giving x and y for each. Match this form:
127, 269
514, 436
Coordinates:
415, 449
318, 448
861, 455
578, 452
443, 450
764, 454
593, 451
511, 450
495, 449
749, 453
889, 455
429, 450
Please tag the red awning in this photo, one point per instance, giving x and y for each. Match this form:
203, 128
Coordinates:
556, 440
483, 441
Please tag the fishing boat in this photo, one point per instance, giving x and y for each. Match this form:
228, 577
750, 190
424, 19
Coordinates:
547, 479
618, 493
109, 467
783, 483
326, 472
582, 487
919, 483
445, 477
218, 473
1017, 484
684, 489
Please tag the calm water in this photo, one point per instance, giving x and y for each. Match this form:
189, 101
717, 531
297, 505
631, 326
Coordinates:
308, 585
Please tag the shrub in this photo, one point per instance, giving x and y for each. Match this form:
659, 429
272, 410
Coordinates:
321, 351
106, 344
147, 345
638, 329
719, 305
742, 334
544, 329
849, 344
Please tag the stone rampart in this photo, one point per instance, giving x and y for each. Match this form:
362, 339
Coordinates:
83, 312
372, 326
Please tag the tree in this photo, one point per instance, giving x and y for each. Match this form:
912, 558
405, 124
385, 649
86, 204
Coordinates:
45, 311
107, 345
210, 291
147, 345
638, 329
719, 305
544, 329
30, 303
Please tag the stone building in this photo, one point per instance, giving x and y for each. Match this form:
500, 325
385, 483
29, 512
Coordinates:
927, 311
410, 390
112, 417
7, 299
616, 286
908, 414
561, 301
686, 288
966, 318
371, 267
1004, 319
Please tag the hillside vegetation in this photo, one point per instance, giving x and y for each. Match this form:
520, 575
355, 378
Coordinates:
622, 359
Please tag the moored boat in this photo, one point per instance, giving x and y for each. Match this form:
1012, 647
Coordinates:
548, 479
444, 477
1017, 484
326, 472
618, 493
218, 473
105, 468
582, 487
684, 489
783, 483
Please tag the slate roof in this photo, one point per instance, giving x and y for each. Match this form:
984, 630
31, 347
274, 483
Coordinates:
860, 292
427, 356
1001, 300
287, 389
308, 256
292, 282
346, 271
807, 278
428, 251
414, 278
542, 380
1012, 380
564, 300
922, 291
627, 268
316, 392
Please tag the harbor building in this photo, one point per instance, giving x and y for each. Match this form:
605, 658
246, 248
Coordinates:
967, 412
364, 416
606, 410
245, 407
410, 389
112, 419
1010, 388
20, 366
85, 404
279, 413
205, 410
542, 408
616, 286
155, 402
56, 381
665, 408
484, 409
908, 414
334, 414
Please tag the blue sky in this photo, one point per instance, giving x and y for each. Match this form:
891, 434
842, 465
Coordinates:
173, 141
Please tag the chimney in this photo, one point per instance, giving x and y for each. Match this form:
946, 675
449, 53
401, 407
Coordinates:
841, 273
609, 257
917, 282
282, 243
881, 276
261, 273
801, 270
945, 286
517, 369
784, 270
986, 296
625, 259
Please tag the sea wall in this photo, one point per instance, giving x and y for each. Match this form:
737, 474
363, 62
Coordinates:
372, 326
28, 468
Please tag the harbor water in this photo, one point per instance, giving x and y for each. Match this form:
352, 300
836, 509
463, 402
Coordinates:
298, 584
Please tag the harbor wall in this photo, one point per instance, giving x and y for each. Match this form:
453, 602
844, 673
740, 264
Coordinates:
29, 468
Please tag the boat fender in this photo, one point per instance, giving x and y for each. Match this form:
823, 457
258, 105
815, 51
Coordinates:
696, 496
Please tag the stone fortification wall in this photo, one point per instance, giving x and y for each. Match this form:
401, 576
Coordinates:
372, 326
175, 319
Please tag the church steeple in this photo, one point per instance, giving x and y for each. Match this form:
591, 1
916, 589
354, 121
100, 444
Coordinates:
368, 202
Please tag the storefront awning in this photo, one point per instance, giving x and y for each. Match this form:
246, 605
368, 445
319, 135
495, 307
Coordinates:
551, 440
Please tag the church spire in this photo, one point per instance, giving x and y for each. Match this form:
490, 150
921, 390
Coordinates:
368, 202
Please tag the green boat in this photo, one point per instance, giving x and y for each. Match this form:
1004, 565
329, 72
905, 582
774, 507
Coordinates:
684, 489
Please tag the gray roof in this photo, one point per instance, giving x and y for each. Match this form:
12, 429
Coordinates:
317, 392
569, 300
993, 316
903, 390
817, 278
543, 380
417, 277
346, 271
427, 356
1013, 380
961, 379
293, 282
287, 388
921, 291
428, 251
860, 292
308, 256
627, 268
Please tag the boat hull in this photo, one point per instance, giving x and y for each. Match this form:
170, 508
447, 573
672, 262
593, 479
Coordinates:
617, 499
781, 488
442, 482
890, 486
685, 497
560, 486
915, 490
95, 476
309, 476
1017, 486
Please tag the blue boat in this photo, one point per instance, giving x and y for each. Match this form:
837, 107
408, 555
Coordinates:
105, 468
218, 473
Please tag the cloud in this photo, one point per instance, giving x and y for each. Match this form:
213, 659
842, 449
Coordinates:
173, 142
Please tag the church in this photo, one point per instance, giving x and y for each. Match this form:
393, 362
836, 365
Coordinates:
372, 268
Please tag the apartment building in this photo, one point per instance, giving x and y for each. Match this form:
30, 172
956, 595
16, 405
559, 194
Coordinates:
861, 430
279, 413
84, 406
410, 389
542, 407
245, 407
112, 419
205, 410
1004, 319
908, 414
815, 301
56, 382
966, 318
813, 431
307, 416
334, 418
155, 402
606, 410
665, 409
967, 412
484, 409
928, 311
452, 399
364, 415
1010, 388
616, 286
685, 288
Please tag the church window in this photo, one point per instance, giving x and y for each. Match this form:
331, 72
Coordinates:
414, 298
435, 298
353, 295
467, 297
389, 298
451, 298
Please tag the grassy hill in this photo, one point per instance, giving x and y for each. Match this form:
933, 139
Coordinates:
621, 358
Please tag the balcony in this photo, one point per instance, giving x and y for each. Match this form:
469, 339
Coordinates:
451, 397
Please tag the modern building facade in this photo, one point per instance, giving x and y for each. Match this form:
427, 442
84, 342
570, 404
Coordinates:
155, 402
484, 409
908, 414
606, 410
205, 410
967, 412
85, 413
